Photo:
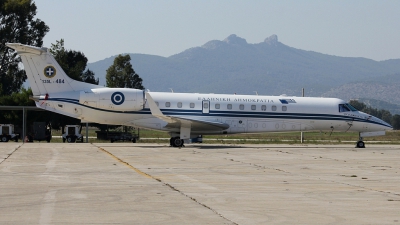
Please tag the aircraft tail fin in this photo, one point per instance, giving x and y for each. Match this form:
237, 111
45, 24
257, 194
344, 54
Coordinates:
45, 75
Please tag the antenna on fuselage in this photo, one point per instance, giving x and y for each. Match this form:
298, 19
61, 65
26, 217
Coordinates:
172, 90
256, 92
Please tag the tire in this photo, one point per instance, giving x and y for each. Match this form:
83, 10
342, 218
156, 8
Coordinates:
360, 144
4, 139
112, 140
70, 139
133, 140
63, 140
178, 142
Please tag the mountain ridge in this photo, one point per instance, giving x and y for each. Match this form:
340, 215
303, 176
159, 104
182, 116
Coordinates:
270, 67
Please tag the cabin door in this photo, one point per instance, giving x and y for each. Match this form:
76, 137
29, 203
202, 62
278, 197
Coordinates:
206, 106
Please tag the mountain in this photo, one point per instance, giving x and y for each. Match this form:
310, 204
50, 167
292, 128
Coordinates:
269, 67
384, 88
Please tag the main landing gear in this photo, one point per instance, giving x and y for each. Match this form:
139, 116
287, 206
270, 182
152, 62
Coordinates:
176, 142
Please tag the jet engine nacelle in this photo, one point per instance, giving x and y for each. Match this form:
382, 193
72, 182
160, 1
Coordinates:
116, 99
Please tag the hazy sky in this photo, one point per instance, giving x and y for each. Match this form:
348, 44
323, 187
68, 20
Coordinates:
102, 28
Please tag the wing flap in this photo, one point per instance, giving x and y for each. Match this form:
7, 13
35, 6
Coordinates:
198, 125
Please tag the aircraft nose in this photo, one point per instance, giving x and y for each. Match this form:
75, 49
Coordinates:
376, 123
385, 125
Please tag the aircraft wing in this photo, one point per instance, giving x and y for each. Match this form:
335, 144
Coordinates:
197, 125
177, 122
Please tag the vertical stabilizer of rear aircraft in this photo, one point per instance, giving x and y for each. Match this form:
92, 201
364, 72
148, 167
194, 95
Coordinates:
45, 75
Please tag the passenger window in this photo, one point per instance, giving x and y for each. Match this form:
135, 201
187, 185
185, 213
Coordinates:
167, 104
179, 104
263, 108
241, 107
253, 107
229, 106
217, 106
273, 108
191, 105
284, 108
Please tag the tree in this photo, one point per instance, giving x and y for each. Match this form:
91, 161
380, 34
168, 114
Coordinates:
20, 98
17, 25
121, 74
382, 114
396, 122
73, 63
88, 77
358, 105
386, 116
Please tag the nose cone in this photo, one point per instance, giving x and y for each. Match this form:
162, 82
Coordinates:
386, 125
378, 124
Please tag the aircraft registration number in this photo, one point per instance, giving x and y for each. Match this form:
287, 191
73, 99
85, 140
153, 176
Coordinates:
58, 81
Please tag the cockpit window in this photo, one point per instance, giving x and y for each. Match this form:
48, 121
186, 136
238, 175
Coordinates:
351, 107
346, 108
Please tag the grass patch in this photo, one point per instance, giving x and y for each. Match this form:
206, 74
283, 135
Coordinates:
391, 137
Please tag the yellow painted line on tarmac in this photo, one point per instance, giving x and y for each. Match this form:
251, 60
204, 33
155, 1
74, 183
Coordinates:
127, 164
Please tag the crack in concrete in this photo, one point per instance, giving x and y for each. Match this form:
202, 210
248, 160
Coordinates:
166, 184
8, 155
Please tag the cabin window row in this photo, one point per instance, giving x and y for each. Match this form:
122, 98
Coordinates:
179, 104
252, 107
228, 106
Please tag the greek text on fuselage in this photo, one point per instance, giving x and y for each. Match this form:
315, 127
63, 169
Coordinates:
237, 100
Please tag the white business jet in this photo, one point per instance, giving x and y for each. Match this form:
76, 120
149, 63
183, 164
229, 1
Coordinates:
187, 115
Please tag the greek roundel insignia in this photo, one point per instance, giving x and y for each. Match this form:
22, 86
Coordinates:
117, 98
49, 71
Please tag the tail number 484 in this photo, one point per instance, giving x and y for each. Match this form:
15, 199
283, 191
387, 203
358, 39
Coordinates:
58, 81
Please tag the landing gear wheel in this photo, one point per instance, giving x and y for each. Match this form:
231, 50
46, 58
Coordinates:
177, 142
133, 140
360, 144
63, 140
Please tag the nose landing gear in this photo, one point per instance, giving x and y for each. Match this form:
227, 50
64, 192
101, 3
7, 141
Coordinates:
360, 143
